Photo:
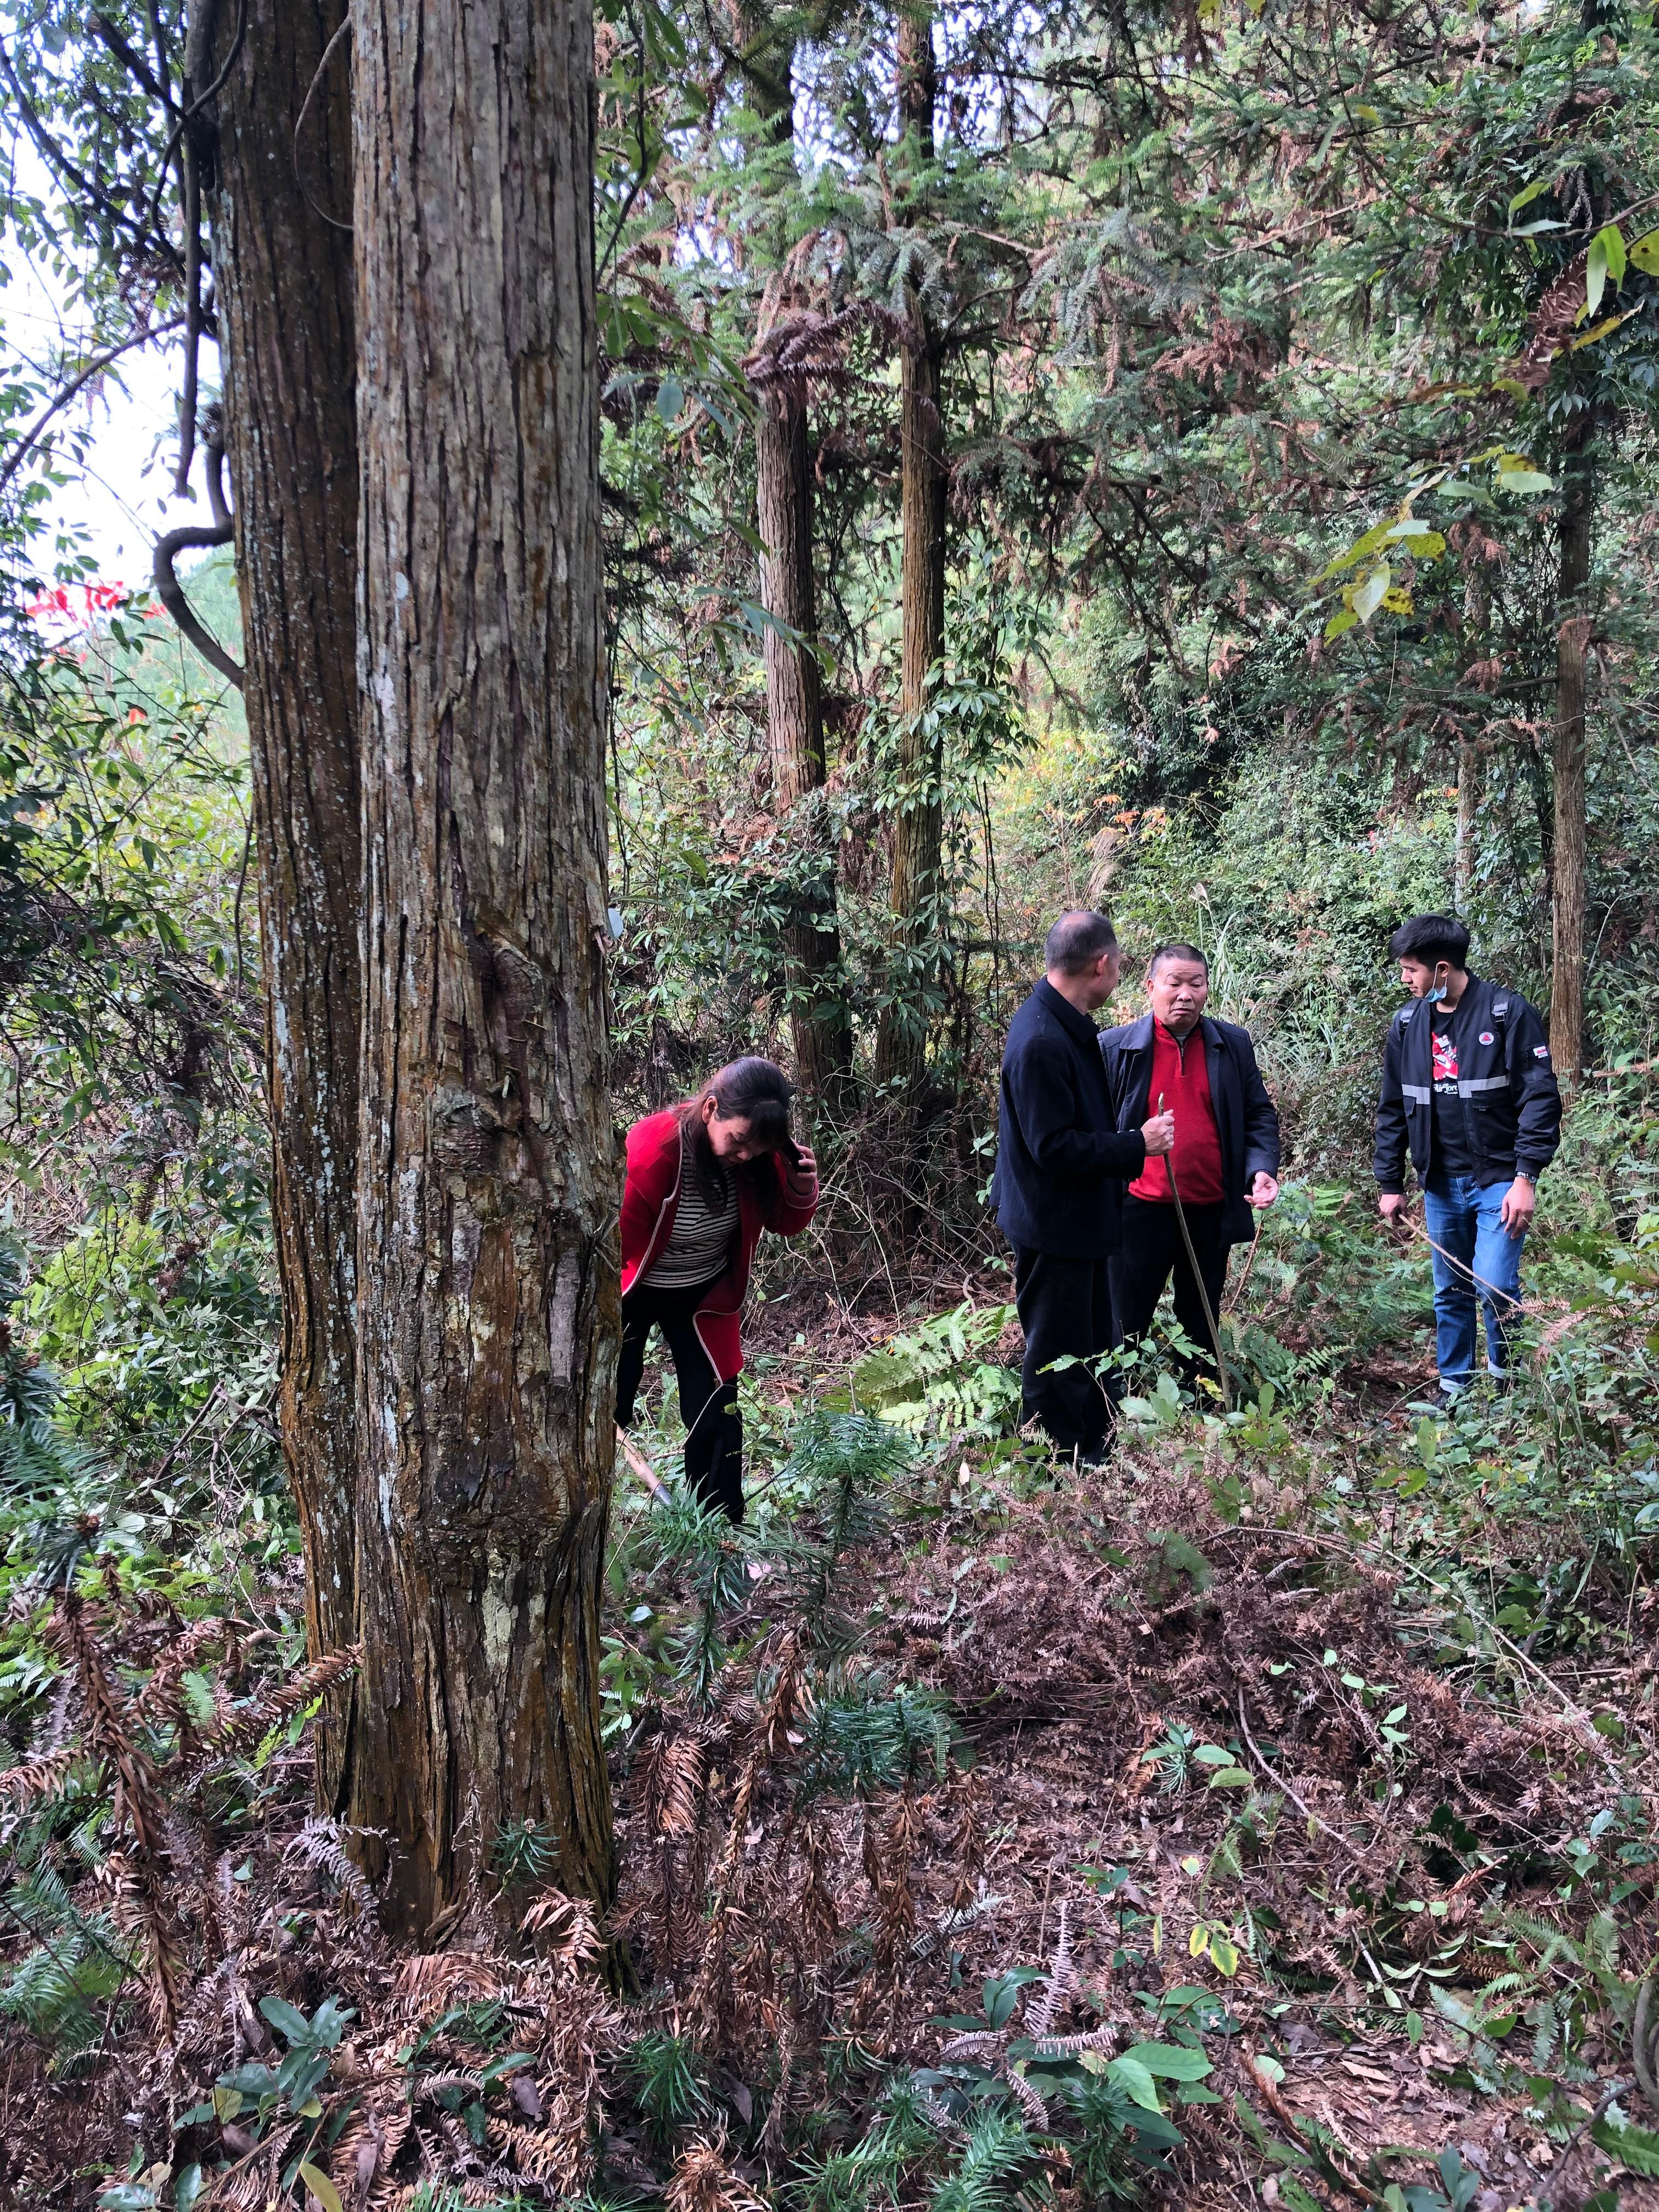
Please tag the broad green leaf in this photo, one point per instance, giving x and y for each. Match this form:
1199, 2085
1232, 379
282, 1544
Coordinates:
1135, 2081
1528, 194
1173, 2062
1224, 1955
1369, 596
1595, 274
1610, 239
1230, 1778
1345, 618
1211, 1755
288, 2022
187, 2188
670, 398
320, 2186
1525, 480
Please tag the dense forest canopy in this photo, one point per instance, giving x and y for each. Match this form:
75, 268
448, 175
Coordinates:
710, 529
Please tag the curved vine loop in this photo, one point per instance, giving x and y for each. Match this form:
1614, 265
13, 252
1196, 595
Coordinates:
190, 538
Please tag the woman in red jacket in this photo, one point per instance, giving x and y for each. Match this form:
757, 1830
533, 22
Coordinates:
703, 1179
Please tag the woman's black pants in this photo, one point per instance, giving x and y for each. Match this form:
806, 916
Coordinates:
708, 1408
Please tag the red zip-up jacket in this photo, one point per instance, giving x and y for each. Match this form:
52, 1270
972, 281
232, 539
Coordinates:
651, 1198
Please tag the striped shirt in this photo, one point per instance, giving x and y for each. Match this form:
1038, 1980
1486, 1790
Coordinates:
700, 1239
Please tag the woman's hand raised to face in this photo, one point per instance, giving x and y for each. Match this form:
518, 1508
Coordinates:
805, 1169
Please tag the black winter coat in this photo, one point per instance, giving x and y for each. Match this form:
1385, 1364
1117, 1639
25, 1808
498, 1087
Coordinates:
1246, 1118
1513, 1104
1061, 1161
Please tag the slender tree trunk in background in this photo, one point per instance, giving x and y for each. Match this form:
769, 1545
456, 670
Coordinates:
1568, 773
1468, 809
794, 721
1477, 613
282, 277
487, 1233
819, 1022
918, 827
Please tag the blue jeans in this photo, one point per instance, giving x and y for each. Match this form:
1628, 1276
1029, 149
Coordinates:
1475, 1255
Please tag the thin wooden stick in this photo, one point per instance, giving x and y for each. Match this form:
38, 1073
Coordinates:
641, 1465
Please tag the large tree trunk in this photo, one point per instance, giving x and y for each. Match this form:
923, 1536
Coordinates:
1568, 777
487, 1244
918, 825
283, 278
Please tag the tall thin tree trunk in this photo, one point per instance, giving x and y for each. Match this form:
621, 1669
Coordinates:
819, 1022
794, 721
283, 278
1477, 613
1468, 811
1568, 771
487, 1234
918, 827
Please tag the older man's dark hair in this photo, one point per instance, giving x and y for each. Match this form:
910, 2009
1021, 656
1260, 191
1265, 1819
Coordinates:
1176, 951
1077, 941
1430, 937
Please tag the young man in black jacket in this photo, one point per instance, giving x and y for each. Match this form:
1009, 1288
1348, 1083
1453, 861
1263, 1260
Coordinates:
1468, 1086
1061, 1162
1225, 1158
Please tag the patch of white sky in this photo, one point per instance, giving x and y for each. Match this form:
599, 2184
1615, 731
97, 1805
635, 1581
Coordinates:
117, 498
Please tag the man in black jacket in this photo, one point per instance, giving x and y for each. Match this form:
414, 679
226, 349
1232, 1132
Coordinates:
1468, 1087
1224, 1163
1062, 1161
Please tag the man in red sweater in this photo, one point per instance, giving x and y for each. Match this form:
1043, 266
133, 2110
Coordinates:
1226, 1149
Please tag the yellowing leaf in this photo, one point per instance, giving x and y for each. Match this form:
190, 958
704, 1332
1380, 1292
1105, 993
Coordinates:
1367, 114
1397, 601
227, 2103
1093, 2062
1368, 596
1344, 619
320, 2186
1198, 1941
1644, 253
1599, 331
1224, 1955
1376, 536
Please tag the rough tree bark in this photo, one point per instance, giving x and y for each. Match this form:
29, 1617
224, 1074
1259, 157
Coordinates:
819, 1023
283, 279
918, 826
487, 1259
1567, 883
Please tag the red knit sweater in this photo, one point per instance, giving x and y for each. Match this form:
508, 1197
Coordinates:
1182, 1075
